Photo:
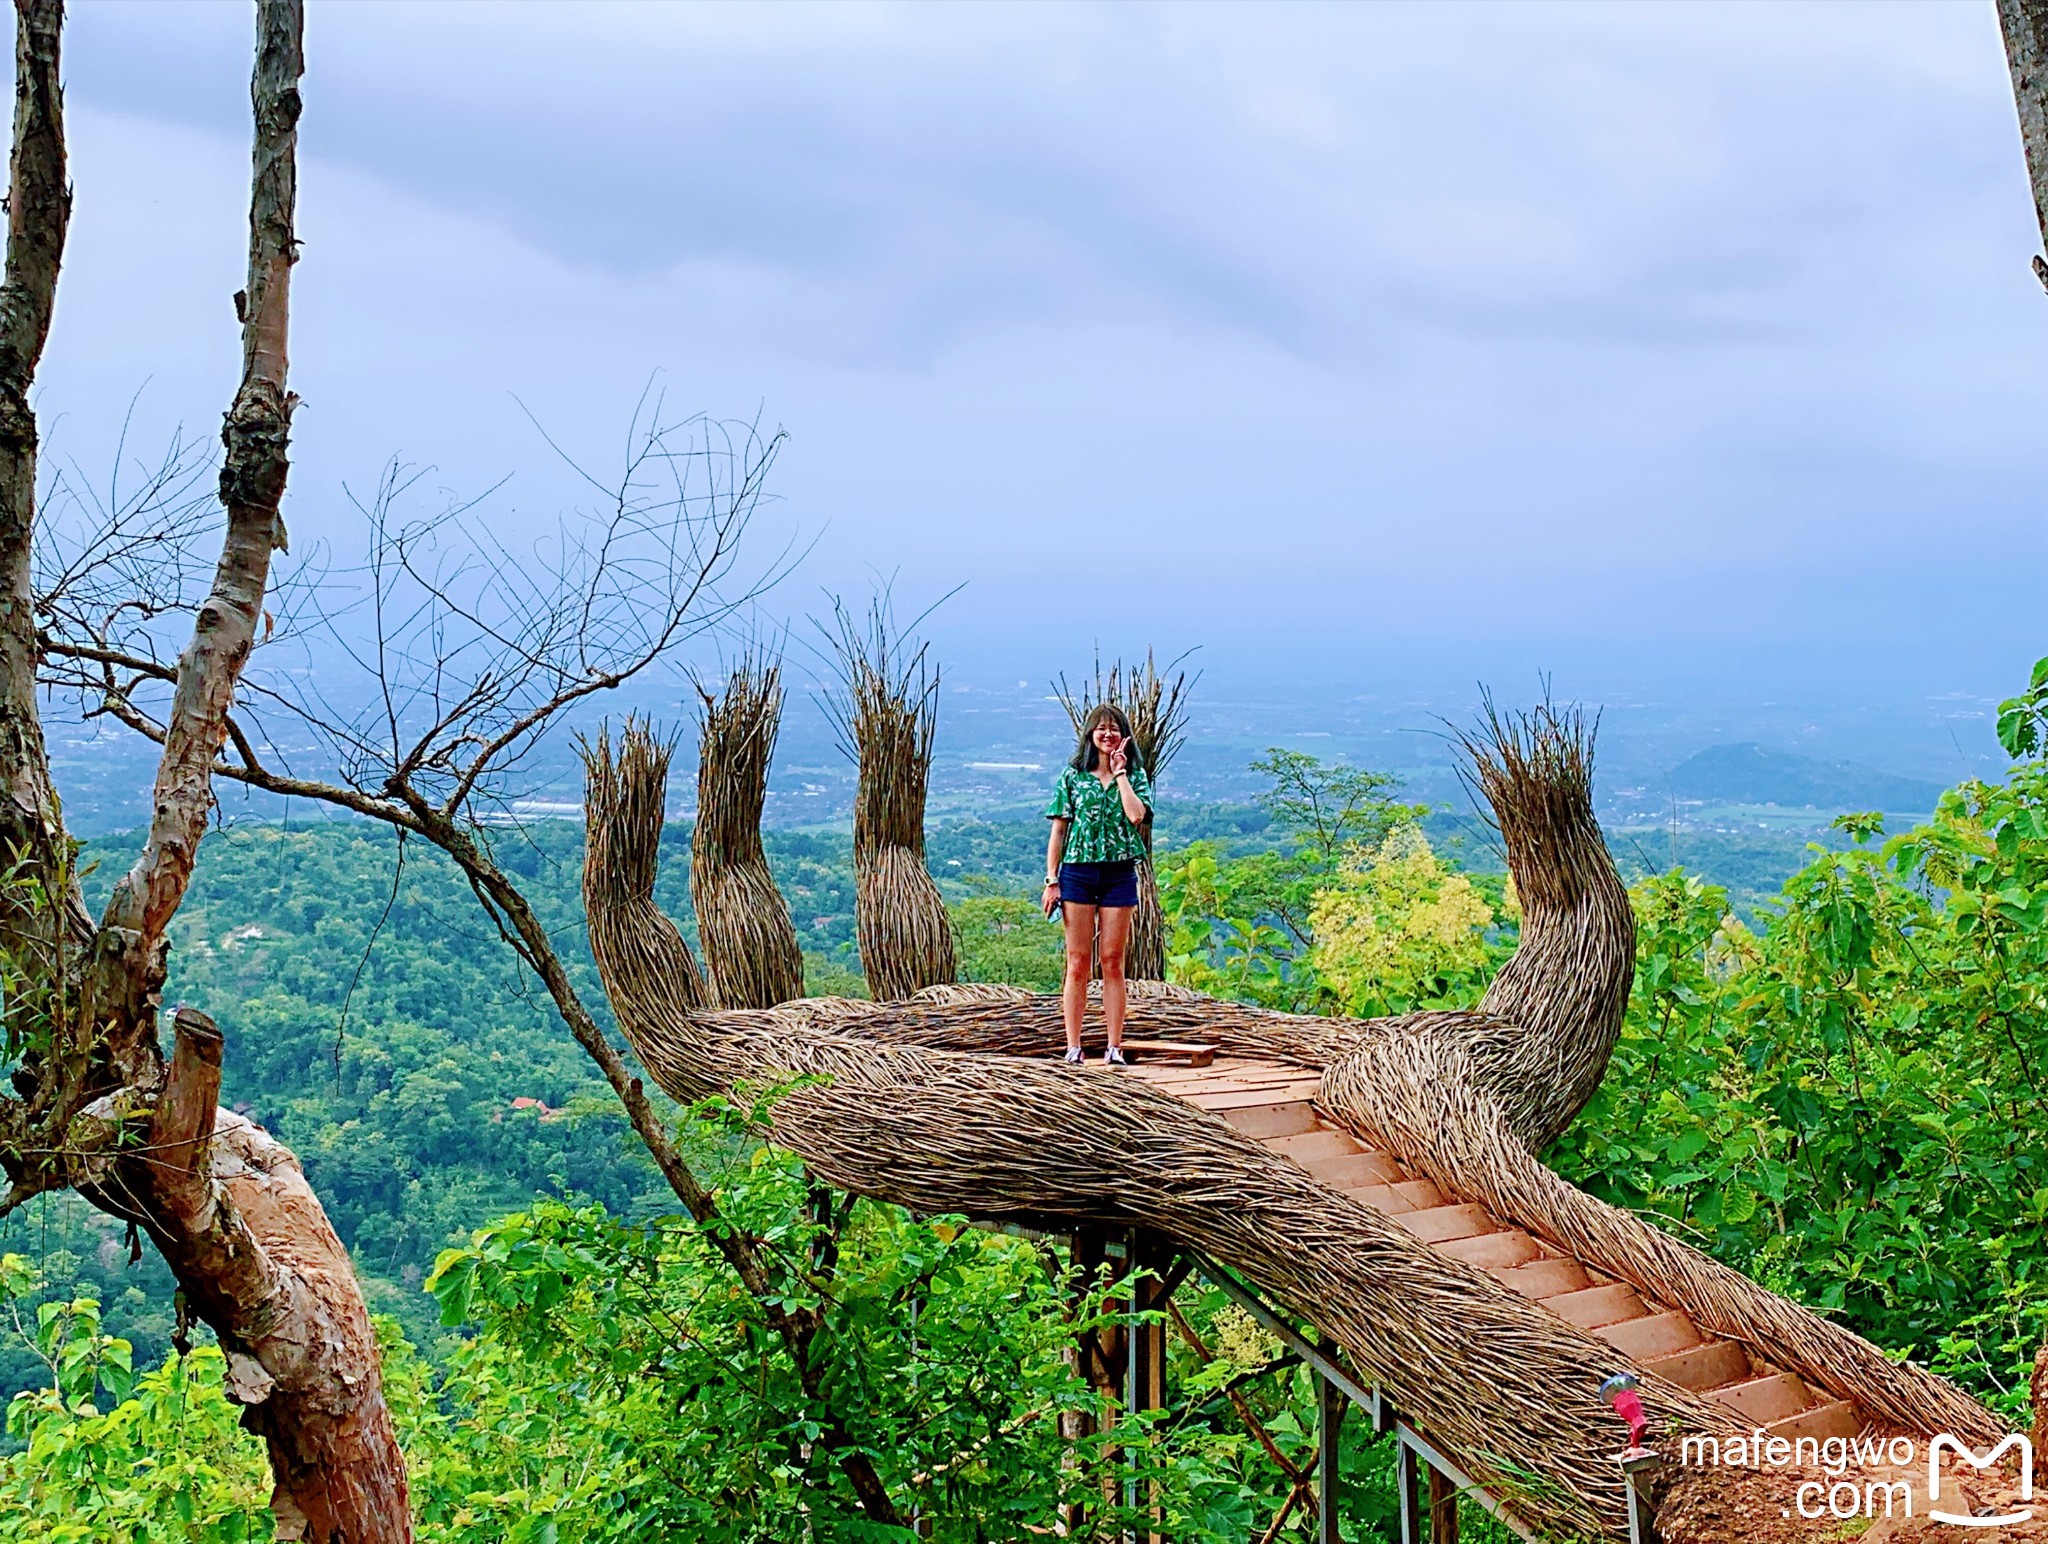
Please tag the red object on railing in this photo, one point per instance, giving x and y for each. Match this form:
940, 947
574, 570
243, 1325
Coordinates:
1620, 1392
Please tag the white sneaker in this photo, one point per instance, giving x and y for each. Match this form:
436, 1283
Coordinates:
1114, 1057
1074, 1056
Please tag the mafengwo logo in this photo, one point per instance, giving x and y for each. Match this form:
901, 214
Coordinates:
1871, 1477
1946, 1443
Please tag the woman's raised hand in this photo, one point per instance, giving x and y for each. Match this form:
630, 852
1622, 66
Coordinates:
1120, 758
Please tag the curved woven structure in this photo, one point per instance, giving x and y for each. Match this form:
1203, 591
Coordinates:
750, 945
937, 1104
886, 723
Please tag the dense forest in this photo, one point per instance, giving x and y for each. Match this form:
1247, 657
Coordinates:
1836, 1095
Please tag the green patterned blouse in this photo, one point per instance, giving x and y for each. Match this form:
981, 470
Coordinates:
1101, 833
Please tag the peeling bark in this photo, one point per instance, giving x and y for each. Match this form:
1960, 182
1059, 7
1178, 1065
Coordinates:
39, 216
248, 1240
2024, 24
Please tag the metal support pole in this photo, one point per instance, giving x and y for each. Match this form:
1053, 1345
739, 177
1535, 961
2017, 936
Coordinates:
1415, 1450
1636, 1467
1145, 1353
1330, 1406
1406, 1482
1134, 1378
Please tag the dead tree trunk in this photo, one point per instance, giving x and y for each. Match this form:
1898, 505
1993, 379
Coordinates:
251, 1245
2024, 24
39, 217
226, 1204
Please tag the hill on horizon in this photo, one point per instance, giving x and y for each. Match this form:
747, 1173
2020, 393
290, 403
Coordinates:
1748, 773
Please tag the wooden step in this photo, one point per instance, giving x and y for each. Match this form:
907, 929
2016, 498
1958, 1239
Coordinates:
1184, 1052
1312, 1147
1491, 1251
1709, 1366
1833, 1419
1411, 1195
1591, 1307
1767, 1399
1260, 1121
1439, 1223
1250, 1095
1382, 1198
1193, 1084
1643, 1340
1544, 1278
1352, 1170
1421, 1194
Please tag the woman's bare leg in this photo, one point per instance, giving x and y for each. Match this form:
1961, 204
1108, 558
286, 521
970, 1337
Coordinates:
1115, 922
1080, 924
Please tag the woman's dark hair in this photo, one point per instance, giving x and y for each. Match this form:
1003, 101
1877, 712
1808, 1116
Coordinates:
1085, 755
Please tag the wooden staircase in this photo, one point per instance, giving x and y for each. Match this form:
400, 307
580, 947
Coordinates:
1273, 1104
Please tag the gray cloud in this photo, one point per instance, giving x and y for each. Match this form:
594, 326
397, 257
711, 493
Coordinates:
1480, 317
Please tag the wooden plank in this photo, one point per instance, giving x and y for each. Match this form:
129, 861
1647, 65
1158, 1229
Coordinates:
1382, 1198
1544, 1278
1491, 1251
1284, 1094
1309, 1148
1765, 1400
1833, 1419
1448, 1222
1711, 1366
1192, 1084
1591, 1307
1421, 1194
1186, 1053
1642, 1340
1443, 1508
1261, 1121
1353, 1169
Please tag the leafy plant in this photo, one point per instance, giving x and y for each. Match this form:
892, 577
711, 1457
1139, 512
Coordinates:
2023, 720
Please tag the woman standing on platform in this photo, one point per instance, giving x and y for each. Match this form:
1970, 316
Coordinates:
1098, 812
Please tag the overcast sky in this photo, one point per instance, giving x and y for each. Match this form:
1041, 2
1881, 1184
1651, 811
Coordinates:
1507, 333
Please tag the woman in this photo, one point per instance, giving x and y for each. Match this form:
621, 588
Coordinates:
1098, 813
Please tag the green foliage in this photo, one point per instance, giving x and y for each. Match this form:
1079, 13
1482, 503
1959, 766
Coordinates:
1240, 925
2023, 720
1220, 936
1397, 929
1007, 938
165, 1461
618, 1385
384, 1035
1329, 808
1361, 917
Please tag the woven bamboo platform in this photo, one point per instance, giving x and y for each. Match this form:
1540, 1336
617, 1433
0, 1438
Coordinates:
1381, 1177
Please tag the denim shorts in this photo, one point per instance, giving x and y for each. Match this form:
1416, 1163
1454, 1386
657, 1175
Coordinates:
1099, 884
